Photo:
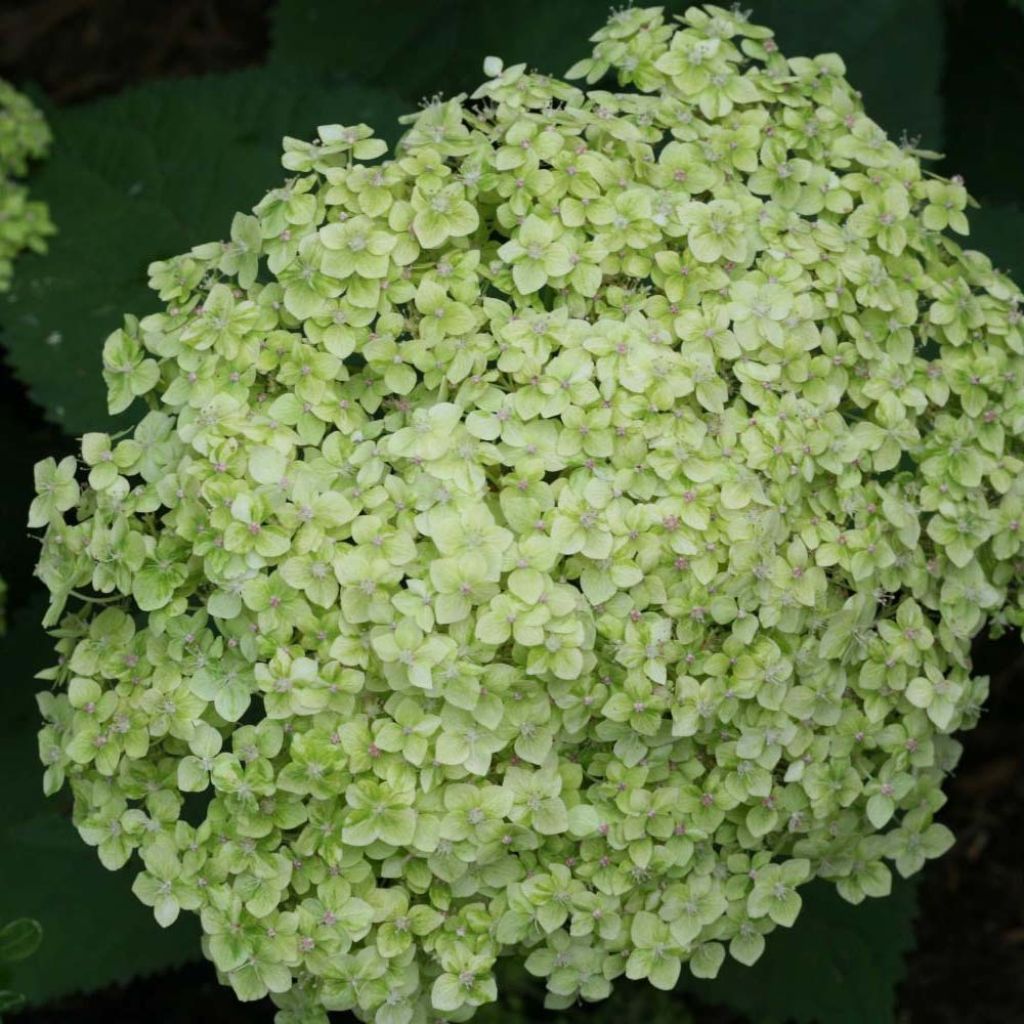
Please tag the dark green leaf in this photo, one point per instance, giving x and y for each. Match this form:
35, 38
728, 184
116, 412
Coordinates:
420, 49
839, 964
10, 1000
19, 939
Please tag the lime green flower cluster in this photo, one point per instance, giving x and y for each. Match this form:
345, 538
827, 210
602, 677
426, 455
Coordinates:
564, 539
24, 136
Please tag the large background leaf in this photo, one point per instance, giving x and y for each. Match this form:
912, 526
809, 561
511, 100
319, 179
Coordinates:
420, 48
839, 964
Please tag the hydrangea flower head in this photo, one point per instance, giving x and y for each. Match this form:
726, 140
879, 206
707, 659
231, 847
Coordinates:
563, 539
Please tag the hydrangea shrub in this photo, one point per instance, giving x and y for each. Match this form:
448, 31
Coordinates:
24, 136
561, 540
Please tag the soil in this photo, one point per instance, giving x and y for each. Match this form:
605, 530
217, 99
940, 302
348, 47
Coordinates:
968, 965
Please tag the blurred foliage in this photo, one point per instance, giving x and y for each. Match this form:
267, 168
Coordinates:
19, 939
150, 172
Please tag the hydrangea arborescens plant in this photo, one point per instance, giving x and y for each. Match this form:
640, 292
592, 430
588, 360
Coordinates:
24, 136
564, 539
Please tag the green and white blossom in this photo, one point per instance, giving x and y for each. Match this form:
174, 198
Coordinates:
563, 540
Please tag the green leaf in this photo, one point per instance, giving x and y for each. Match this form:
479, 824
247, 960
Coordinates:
96, 932
141, 176
420, 49
838, 964
10, 1000
19, 939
